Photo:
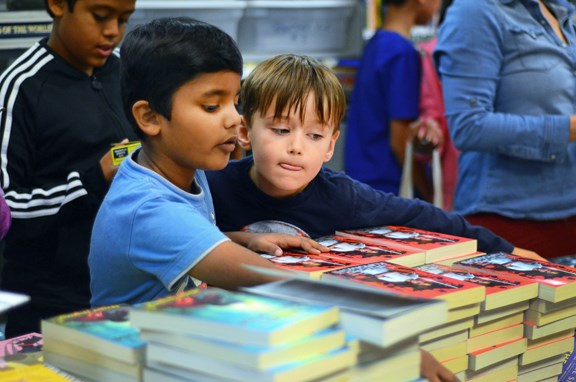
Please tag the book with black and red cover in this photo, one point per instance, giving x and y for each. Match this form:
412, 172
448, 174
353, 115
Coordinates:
310, 265
556, 282
500, 290
435, 245
358, 252
412, 282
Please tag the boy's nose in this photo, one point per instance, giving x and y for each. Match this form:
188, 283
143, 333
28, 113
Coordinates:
112, 28
295, 146
233, 119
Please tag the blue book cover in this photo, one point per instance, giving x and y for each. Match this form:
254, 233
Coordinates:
234, 317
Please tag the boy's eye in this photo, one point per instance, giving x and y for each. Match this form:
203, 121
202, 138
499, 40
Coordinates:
99, 16
316, 137
211, 108
281, 131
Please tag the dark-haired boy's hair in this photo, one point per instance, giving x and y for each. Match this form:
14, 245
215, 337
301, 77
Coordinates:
161, 56
287, 80
70, 6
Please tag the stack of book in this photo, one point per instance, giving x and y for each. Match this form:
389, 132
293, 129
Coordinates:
463, 301
436, 246
551, 318
356, 252
500, 321
343, 252
212, 334
21, 359
383, 325
97, 344
305, 264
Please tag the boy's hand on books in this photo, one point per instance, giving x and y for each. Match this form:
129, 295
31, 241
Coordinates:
273, 243
528, 254
433, 370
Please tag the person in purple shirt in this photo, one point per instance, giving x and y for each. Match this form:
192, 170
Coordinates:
385, 103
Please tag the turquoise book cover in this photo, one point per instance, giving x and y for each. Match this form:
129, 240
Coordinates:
233, 316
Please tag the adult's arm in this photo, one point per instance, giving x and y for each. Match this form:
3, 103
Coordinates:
470, 63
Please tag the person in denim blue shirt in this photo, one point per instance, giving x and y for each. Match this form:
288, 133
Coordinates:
508, 69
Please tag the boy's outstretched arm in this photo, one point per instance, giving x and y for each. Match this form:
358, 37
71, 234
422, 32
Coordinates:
224, 267
273, 243
433, 370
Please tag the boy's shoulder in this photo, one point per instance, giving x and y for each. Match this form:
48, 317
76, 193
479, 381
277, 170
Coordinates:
30, 67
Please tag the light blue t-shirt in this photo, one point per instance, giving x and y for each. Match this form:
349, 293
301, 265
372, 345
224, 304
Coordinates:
147, 236
509, 88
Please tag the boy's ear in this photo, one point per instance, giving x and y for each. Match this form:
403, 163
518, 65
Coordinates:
244, 136
332, 146
57, 7
148, 120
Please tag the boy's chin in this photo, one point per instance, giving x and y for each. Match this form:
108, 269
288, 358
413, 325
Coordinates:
215, 166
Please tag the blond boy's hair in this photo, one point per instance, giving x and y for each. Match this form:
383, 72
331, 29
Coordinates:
288, 79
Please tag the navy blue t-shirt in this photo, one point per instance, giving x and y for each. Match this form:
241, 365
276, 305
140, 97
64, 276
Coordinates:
332, 201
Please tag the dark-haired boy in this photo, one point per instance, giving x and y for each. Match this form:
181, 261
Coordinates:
155, 233
63, 112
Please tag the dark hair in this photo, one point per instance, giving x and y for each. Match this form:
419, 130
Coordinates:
287, 80
70, 6
159, 57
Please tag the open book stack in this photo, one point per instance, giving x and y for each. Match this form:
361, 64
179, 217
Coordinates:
385, 325
356, 252
212, 334
436, 246
551, 318
343, 252
98, 344
463, 298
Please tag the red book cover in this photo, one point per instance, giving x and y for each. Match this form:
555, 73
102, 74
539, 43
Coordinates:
436, 245
358, 252
308, 264
501, 290
412, 282
556, 282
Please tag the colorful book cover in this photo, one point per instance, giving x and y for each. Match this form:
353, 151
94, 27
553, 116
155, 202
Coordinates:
556, 282
21, 351
234, 316
358, 252
500, 289
107, 330
307, 264
412, 282
435, 245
